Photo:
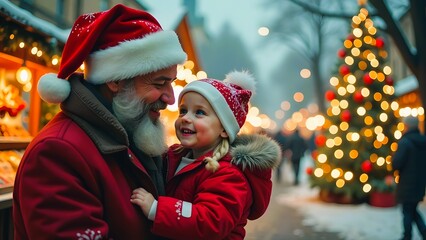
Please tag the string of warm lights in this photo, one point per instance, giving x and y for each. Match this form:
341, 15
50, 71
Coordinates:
23, 42
19, 40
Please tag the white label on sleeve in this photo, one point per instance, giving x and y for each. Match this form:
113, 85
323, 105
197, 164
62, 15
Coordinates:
186, 209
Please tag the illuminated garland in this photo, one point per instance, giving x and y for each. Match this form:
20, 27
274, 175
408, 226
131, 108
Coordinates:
22, 41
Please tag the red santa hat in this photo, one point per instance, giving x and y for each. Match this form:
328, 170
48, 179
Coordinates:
116, 44
229, 98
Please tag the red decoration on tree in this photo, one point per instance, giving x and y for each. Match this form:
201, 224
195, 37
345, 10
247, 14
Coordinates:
389, 180
367, 79
344, 69
330, 95
380, 42
366, 166
358, 97
320, 140
341, 53
351, 37
314, 154
389, 81
309, 170
346, 116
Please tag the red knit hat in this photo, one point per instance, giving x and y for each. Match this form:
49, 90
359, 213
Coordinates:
229, 98
116, 44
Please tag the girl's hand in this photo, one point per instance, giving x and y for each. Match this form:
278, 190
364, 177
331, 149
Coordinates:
143, 199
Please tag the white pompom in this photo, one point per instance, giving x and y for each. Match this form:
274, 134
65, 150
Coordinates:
243, 79
53, 89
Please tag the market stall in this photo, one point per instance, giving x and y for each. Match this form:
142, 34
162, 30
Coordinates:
29, 48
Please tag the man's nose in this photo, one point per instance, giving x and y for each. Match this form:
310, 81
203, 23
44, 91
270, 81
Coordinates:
168, 95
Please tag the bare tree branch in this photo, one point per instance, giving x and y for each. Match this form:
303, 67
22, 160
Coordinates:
394, 30
318, 11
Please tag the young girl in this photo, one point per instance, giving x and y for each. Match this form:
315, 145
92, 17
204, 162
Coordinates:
215, 180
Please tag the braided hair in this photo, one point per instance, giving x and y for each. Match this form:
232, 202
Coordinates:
220, 151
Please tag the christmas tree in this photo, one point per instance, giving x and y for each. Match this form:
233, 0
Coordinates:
354, 148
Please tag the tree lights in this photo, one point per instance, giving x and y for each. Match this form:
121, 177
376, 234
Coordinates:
353, 155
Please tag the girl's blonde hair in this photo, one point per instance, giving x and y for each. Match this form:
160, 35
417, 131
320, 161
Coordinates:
220, 151
212, 162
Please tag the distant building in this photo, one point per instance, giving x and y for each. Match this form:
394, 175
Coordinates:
405, 83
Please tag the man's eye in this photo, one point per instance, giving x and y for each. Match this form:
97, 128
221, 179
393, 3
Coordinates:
159, 84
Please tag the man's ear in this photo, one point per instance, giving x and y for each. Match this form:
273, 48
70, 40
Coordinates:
113, 86
224, 134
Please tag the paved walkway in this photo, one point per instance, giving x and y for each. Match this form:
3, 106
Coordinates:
281, 222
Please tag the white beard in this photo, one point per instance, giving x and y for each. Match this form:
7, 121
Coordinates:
149, 137
132, 113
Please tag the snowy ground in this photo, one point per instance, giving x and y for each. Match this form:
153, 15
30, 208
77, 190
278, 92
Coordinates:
352, 222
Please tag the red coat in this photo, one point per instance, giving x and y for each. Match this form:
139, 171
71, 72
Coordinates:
70, 185
205, 205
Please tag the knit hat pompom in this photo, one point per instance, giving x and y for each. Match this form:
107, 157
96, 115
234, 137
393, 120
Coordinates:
243, 79
53, 89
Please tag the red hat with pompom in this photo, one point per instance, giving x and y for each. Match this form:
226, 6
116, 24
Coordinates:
116, 44
229, 98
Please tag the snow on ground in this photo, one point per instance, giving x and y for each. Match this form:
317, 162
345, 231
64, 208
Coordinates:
352, 222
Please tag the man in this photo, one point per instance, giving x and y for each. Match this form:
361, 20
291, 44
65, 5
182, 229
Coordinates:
410, 160
76, 177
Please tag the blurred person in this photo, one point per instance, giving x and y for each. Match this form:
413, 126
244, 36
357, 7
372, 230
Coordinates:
281, 138
77, 175
297, 147
410, 161
311, 141
216, 179
312, 147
